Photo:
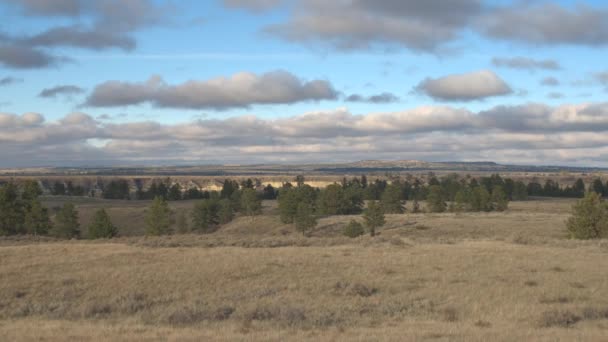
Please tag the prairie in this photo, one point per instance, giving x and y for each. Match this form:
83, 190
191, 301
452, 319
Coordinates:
463, 277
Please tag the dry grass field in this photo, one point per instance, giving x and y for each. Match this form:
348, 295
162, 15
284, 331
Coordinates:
428, 277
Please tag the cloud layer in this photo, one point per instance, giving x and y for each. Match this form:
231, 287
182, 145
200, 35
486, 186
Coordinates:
530, 133
241, 90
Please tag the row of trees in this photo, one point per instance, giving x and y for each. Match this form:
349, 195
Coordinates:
21, 212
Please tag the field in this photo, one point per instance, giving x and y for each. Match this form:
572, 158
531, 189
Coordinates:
436, 277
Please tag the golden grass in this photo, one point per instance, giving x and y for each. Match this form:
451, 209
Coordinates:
466, 277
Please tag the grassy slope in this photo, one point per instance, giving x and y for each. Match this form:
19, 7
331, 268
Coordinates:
500, 276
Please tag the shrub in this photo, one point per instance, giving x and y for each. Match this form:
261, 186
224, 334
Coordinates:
557, 318
102, 226
158, 220
589, 219
353, 229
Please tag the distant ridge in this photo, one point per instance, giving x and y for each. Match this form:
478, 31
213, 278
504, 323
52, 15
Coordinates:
363, 166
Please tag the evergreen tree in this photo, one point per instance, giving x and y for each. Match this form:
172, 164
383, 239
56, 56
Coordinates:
330, 201
228, 188
158, 220
374, 217
597, 186
58, 189
11, 210
352, 200
251, 204
288, 204
102, 227
434, 200
520, 191
500, 202
589, 219
225, 211
579, 188
175, 193
300, 180
269, 192
392, 199
461, 201
305, 218
37, 220
67, 226
480, 199
31, 190
205, 215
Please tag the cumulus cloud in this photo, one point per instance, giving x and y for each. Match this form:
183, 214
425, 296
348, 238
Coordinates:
361, 24
241, 90
61, 90
110, 24
385, 97
529, 133
464, 87
526, 63
547, 23
23, 57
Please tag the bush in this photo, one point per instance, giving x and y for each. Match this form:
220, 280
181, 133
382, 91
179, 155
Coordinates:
102, 226
353, 229
589, 219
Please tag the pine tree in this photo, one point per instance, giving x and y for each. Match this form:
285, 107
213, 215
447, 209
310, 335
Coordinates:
175, 193
37, 220
67, 226
251, 204
101, 227
480, 199
374, 217
330, 200
392, 199
158, 220
460, 201
205, 216
520, 191
225, 212
305, 218
288, 204
11, 210
589, 218
434, 200
500, 202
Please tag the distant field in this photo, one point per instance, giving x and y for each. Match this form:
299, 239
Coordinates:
464, 277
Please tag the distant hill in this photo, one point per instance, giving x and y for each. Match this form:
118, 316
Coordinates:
325, 168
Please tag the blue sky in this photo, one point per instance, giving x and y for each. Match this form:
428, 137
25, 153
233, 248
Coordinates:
474, 59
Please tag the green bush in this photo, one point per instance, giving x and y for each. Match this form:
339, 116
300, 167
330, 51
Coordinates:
589, 218
353, 229
102, 227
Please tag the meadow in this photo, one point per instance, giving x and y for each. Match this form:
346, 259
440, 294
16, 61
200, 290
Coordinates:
503, 276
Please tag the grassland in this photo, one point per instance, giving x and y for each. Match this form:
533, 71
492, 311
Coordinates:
437, 277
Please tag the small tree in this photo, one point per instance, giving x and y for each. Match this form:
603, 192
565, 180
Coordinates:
589, 218
205, 215
305, 218
175, 193
158, 221
353, 229
460, 201
374, 217
67, 225
37, 220
434, 200
500, 202
225, 211
392, 199
102, 227
251, 204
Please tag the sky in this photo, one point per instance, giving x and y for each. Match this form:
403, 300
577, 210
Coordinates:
161, 82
